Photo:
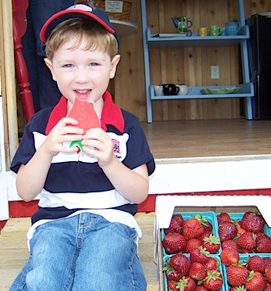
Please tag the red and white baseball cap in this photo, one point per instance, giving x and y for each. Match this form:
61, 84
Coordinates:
77, 11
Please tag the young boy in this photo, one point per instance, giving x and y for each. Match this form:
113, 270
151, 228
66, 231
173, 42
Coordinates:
84, 235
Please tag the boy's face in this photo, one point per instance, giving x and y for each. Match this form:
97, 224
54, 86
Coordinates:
82, 73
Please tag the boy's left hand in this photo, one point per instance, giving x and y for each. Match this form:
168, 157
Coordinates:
102, 146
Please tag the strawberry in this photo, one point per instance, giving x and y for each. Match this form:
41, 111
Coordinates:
247, 240
211, 244
232, 244
197, 271
176, 224
223, 216
268, 274
172, 285
180, 263
263, 244
267, 262
199, 255
213, 281
170, 273
174, 243
227, 230
205, 234
191, 244
207, 226
186, 283
192, 228
252, 221
201, 288
256, 263
255, 281
229, 256
211, 264
237, 274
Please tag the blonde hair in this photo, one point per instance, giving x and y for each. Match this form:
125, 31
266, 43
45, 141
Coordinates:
97, 37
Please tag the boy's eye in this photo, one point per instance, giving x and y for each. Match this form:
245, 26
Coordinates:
67, 65
94, 64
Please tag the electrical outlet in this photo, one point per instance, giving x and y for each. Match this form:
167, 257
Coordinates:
215, 72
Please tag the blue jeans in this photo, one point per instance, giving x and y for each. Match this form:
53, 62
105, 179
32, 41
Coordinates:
82, 252
44, 89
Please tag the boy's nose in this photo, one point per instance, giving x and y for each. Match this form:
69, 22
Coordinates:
81, 76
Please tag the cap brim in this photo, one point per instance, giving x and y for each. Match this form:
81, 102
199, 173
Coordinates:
63, 15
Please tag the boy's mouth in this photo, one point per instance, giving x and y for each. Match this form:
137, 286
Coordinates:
82, 94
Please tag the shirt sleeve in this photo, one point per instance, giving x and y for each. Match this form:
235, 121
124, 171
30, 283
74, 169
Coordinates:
138, 151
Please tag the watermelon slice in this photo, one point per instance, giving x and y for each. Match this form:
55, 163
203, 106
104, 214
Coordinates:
84, 112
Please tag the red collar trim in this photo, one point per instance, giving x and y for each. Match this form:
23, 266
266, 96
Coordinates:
111, 114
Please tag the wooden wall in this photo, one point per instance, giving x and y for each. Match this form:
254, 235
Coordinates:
182, 65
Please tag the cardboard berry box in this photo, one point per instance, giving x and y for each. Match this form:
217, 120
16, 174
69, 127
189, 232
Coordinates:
167, 205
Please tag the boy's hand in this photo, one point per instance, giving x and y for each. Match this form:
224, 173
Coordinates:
102, 146
62, 133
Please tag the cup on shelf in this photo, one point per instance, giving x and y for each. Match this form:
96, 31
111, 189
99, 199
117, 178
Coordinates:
184, 89
223, 31
215, 30
158, 90
203, 31
232, 28
170, 89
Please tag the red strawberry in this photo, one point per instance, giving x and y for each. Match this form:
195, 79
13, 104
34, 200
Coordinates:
192, 228
227, 230
180, 263
211, 244
263, 244
174, 243
186, 283
191, 244
255, 281
201, 288
267, 262
229, 257
176, 224
172, 285
232, 244
268, 274
247, 240
237, 275
223, 216
213, 281
211, 264
207, 226
206, 233
256, 263
199, 255
170, 273
252, 221
197, 271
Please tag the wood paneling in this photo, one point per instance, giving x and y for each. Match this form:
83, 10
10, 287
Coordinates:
182, 65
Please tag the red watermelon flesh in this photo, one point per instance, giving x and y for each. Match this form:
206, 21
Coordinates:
84, 112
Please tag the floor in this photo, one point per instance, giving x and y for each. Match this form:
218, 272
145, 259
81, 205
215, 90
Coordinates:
206, 138
14, 252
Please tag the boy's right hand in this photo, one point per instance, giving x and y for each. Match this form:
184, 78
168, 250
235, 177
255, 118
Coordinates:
60, 134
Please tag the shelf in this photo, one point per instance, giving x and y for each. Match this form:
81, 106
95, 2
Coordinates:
247, 90
154, 40
124, 28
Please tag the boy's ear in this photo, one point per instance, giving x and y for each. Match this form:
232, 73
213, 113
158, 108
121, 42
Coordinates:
114, 64
50, 66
